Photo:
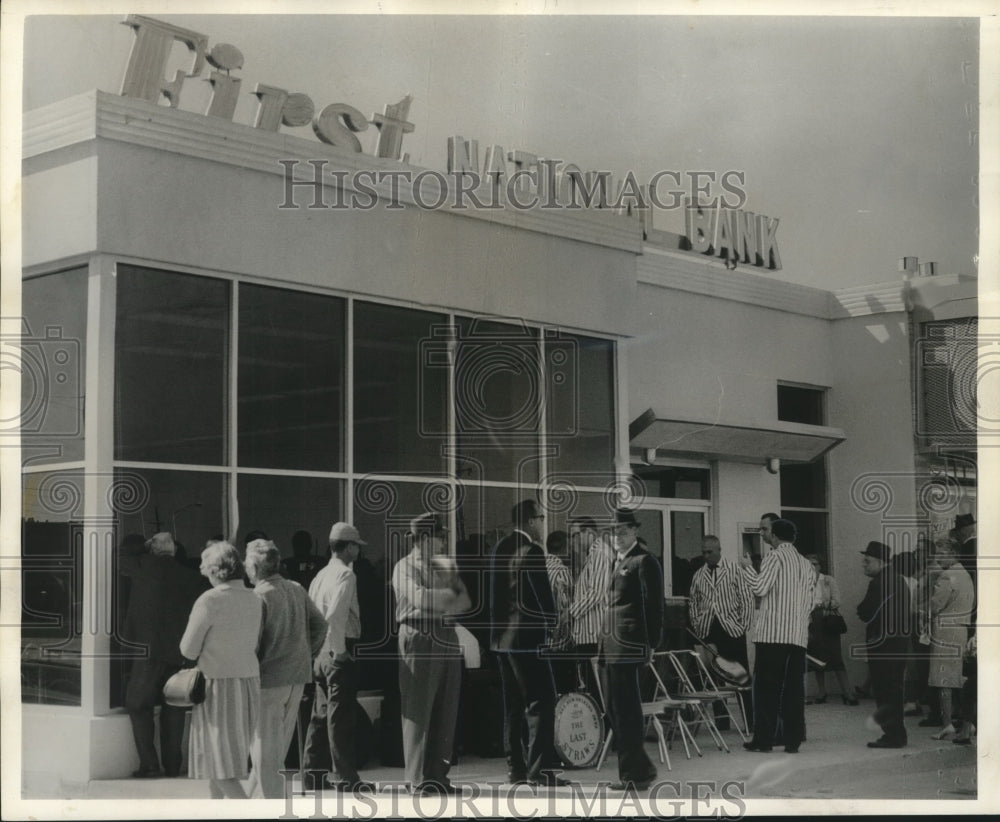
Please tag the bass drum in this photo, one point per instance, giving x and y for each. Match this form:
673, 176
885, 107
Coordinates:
579, 730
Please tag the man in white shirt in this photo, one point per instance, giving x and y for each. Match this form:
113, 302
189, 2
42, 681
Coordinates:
334, 716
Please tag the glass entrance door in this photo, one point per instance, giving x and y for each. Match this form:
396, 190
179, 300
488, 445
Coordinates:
673, 534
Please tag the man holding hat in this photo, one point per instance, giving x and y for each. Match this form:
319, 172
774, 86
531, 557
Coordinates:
427, 588
335, 671
632, 629
885, 610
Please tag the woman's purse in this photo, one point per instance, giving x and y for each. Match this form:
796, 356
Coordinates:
185, 688
832, 623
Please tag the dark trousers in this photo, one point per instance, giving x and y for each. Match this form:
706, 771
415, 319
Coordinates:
145, 688
334, 717
887, 688
529, 698
624, 705
779, 692
918, 667
735, 649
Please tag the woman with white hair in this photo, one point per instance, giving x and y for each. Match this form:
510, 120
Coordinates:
222, 634
292, 633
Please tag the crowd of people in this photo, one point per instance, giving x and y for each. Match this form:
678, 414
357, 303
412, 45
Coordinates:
260, 638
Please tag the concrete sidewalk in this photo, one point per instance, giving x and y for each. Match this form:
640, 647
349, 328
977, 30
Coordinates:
834, 763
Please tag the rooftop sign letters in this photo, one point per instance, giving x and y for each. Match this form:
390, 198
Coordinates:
714, 225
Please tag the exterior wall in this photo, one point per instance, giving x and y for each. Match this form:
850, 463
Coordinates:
704, 358
872, 495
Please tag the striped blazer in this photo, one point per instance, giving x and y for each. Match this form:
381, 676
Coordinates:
786, 584
724, 595
590, 602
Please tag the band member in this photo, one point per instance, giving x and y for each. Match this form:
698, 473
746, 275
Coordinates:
786, 585
721, 604
632, 630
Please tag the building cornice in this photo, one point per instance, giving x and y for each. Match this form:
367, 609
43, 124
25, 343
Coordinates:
98, 114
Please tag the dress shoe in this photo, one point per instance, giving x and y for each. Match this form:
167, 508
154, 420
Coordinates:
352, 787
849, 700
791, 750
548, 779
515, 778
631, 785
916, 710
753, 746
435, 789
886, 743
861, 693
932, 721
147, 773
944, 733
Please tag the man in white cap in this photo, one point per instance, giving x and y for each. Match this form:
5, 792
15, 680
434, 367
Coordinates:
427, 588
334, 716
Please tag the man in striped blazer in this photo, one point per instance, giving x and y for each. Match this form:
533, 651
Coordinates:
786, 584
721, 604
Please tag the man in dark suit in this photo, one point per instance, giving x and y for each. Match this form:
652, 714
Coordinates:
160, 599
522, 609
632, 629
886, 613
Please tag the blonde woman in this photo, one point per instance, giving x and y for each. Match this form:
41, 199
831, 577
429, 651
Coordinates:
222, 634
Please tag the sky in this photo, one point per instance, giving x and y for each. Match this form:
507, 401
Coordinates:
859, 134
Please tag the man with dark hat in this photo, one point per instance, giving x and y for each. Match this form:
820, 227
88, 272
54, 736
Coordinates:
885, 610
522, 609
965, 534
427, 588
632, 630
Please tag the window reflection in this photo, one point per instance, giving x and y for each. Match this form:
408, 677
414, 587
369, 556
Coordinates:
171, 347
291, 380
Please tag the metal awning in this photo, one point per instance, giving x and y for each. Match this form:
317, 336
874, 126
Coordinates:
787, 441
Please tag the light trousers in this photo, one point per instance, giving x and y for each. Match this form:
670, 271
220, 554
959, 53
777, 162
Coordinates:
276, 723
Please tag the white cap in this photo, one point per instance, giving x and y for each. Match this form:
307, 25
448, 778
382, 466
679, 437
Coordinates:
343, 532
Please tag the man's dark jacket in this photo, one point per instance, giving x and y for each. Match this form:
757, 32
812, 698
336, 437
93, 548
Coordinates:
885, 610
522, 607
634, 620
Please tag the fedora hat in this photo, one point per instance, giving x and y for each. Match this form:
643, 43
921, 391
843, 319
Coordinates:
626, 516
962, 520
877, 550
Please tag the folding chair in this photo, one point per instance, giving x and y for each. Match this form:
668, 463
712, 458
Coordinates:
702, 700
656, 710
707, 684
